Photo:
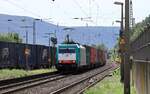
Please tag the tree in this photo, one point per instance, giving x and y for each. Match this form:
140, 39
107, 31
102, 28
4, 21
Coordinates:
140, 27
101, 46
10, 37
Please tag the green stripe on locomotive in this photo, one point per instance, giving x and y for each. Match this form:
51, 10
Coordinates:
57, 55
77, 55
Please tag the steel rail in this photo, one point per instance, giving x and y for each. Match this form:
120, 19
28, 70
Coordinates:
28, 81
97, 81
20, 79
79, 81
33, 83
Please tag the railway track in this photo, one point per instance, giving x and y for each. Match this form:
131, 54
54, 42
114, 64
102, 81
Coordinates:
15, 80
56, 83
14, 85
103, 75
79, 86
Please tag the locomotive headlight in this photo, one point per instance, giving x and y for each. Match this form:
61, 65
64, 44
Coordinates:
60, 61
73, 61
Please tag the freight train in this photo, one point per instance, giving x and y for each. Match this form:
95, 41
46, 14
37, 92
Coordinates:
76, 57
64, 57
26, 56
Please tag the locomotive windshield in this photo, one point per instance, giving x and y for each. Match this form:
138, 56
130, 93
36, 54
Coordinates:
66, 50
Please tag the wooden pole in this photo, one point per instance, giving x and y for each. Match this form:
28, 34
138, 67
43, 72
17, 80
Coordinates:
127, 50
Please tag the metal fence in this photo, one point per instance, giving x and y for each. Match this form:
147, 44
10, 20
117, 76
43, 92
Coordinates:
140, 48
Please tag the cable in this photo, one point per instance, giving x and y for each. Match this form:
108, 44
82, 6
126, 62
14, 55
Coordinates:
97, 14
96, 3
90, 15
80, 7
18, 6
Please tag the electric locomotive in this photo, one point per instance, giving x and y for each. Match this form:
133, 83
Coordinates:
70, 57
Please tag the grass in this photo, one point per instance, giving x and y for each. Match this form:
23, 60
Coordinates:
15, 73
110, 85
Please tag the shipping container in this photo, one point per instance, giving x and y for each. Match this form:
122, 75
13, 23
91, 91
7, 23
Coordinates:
27, 56
7, 55
98, 56
42, 56
82, 56
88, 48
13, 55
92, 55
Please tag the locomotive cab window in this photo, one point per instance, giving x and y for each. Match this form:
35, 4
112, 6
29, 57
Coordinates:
66, 50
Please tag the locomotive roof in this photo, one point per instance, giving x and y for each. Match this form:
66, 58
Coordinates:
68, 45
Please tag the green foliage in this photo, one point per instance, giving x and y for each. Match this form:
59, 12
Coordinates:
140, 27
15, 73
10, 37
110, 85
101, 46
114, 53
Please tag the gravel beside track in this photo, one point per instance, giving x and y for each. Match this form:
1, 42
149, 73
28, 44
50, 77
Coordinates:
52, 87
76, 87
15, 80
14, 87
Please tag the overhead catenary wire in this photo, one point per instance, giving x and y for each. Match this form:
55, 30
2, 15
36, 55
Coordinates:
20, 7
80, 7
90, 15
96, 3
97, 14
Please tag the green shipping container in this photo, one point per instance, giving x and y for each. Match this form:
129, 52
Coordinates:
87, 54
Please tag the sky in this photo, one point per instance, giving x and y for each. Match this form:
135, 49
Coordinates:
62, 12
